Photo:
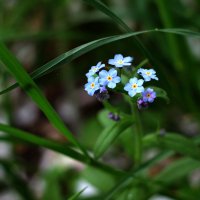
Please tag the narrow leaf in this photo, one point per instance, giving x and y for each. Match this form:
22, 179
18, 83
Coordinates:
75, 196
26, 83
109, 135
81, 50
128, 178
161, 93
33, 139
176, 170
61, 148
173, 142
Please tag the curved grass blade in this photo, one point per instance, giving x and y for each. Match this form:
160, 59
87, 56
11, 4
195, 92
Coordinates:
71, 55
26, 83
106, 10
78, 51
33, 139
109, 135
19, 135
75, 196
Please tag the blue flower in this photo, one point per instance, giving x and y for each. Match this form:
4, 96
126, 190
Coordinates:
134, 86
147, 74
92, 85
109, 78
95, 69
120, 61
148, 95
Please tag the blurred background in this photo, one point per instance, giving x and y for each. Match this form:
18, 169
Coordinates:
38, 31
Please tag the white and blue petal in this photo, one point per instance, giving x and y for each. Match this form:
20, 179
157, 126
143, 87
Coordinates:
118, 57
116, 79
112, 72
111, 85
128, 59
132, 93
140, 82
103, 73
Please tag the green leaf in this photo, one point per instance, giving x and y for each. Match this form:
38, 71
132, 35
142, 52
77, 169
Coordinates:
173, 142
106, 10
109, 135
103, 118
33, 139
176, 170
160, 93
99, 178
78, 51
61, 148
52, 189
26, 83
128, 178
71, 55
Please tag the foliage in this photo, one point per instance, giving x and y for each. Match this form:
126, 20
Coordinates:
123, 149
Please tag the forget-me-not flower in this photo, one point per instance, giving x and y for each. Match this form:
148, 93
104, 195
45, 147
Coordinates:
120, 61
92, 85
148, 95
147, 74
95, 69
134, 86
109, 78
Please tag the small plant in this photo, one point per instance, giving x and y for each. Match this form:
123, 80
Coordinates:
120, 76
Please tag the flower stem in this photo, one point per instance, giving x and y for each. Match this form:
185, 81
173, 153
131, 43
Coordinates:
137, 135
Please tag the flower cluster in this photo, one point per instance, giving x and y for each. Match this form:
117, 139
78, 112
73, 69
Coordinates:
102, 78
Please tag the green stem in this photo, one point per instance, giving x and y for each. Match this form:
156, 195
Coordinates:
137, 135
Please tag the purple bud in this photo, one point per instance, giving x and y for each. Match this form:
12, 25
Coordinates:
102, 94
114, 116
141, 104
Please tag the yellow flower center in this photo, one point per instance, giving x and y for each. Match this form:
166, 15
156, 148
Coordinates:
109, 78
92, 85
94, 69
148, 73
120, 62
134, 86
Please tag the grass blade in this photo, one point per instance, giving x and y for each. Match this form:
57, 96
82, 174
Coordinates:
127, 179
33, 139
26, 83
60, 148
176, 170
106, 10
174, 142
81, 50
109, 135
75, 196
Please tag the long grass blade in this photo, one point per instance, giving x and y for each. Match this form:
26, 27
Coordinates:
26, 83
19, 136
106, 10
81, 50
127, 179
